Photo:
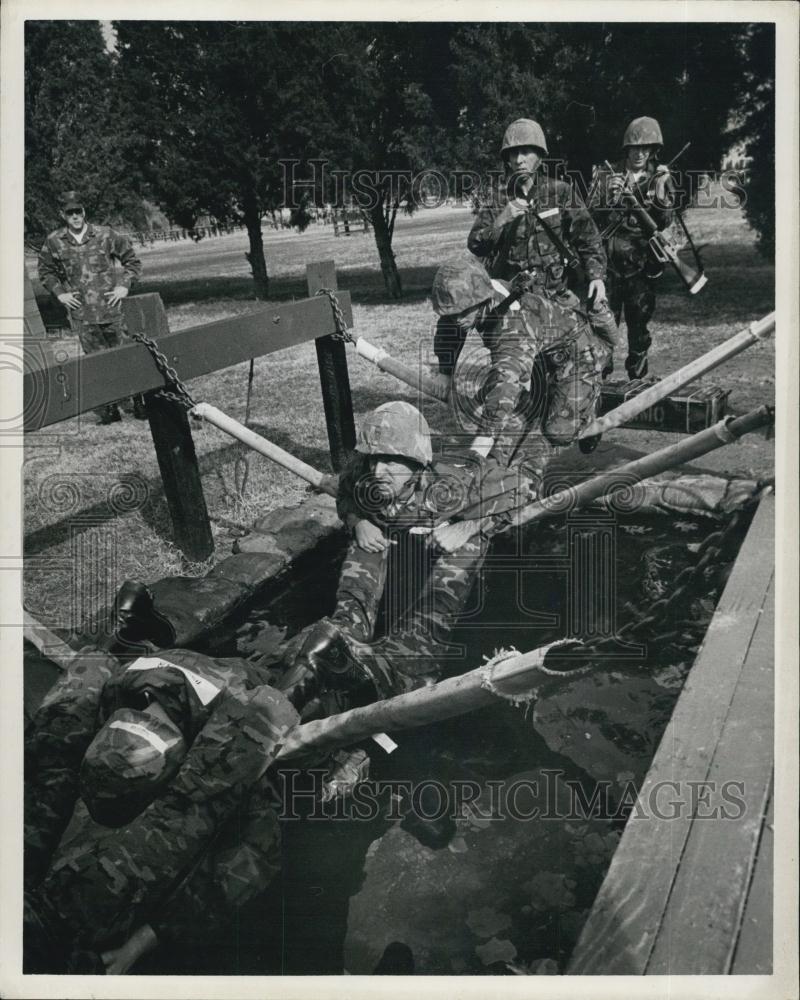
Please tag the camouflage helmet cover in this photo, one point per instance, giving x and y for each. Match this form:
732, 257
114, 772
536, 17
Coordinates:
396, 428
643, 132
460, 283
523, 132
131, 757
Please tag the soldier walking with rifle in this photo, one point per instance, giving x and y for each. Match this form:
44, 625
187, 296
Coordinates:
633, 201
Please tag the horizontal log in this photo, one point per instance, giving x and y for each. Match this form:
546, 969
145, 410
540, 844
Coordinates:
87, 382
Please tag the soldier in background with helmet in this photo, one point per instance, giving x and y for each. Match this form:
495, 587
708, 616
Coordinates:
77, 266
538, 225
632, 268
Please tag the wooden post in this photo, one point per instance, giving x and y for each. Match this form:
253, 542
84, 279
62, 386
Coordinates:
332, 360
172, 438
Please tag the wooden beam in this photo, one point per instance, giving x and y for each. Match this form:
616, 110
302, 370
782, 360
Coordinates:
96, 379
646, 892
333, 374
177, 458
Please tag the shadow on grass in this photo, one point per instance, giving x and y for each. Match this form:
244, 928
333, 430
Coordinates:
155, 512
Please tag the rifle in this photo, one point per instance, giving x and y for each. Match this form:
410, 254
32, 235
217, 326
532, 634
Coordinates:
568, 256
664, 252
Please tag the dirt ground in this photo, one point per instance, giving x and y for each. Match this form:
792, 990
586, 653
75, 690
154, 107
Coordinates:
82, 540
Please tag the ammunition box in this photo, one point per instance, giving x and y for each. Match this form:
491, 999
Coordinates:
691, 409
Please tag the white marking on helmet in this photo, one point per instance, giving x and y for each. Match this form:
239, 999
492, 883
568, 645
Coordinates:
144, 732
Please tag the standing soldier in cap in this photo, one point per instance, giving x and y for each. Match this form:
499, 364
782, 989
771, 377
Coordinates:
77, 266
632, 267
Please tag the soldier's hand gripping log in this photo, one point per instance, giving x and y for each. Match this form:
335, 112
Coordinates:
663, 251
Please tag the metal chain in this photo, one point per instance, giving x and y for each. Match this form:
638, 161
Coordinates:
710, 550
182, 395
342, 333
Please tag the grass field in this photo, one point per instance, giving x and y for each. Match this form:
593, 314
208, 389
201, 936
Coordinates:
84, 536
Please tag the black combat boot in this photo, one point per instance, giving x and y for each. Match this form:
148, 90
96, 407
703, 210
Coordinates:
323, 661
109, 414
139, 409
636, 365
135, 622
397, 960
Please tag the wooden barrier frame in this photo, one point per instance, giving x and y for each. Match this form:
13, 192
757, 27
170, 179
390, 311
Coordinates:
59, 392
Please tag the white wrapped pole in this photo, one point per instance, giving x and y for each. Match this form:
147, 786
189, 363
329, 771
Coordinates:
759, 330
438, 388
511, 676
319, 480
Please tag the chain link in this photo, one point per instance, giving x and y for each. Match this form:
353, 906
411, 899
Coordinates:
711, 549
170, 375
342, 333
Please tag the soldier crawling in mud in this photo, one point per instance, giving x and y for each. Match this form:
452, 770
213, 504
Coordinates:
633, 269
538, 226
392, 487
76, 265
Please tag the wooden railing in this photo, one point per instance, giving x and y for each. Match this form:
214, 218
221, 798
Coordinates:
54, 392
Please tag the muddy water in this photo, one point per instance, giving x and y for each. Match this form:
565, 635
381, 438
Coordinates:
514, 885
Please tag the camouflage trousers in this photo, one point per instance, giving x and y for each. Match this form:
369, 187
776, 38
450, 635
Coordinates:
633, 294
416, 642
565, 379
95, 337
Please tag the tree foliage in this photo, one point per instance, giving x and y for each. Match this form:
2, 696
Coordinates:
72, 138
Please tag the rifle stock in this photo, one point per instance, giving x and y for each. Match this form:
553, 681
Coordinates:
693, 277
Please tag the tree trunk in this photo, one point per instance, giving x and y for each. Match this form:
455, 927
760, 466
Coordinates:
258, 265
383, 241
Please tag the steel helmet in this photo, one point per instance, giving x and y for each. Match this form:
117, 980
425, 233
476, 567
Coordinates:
460, 283
523, 132
643, 132
132, 756
396, 429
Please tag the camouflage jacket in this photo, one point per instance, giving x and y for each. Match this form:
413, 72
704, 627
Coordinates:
443, 491
527, 243
102, 883
88, 269
621, 229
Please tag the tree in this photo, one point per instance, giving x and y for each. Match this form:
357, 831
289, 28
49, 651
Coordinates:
585, 81
754, 129
381, 110
71, 135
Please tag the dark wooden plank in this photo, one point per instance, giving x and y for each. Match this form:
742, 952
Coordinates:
101, 378
754, 948
333, 374
710, 889
620, 933
177, 460
34, 324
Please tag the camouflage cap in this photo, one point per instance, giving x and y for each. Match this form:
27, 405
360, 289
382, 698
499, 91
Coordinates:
460, 283
524, 132
131, 757
396, 428
70, 199
643, 132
